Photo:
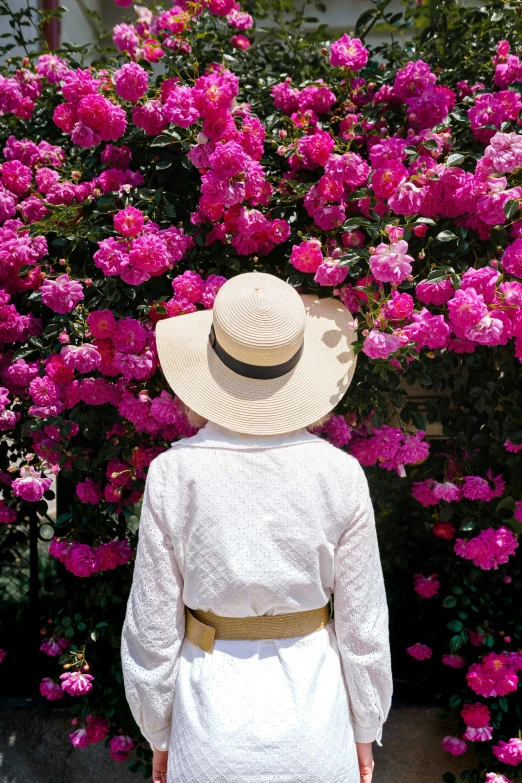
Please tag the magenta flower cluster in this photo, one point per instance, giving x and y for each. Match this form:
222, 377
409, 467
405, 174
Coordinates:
483, 308
495, 675
154, 35
143, 250
457, 487
84, 560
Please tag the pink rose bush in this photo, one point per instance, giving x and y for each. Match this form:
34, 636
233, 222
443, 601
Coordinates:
84, 560
496, 675
131, 192
489, 549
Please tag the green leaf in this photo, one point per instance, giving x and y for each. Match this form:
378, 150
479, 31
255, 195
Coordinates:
515, 525
162, 141
454, 625
449, 777
446, 236
446, 513
80, 463
455, 643
355, 222
511, 208
468, 523
233, 263
455, 159
24, 269
456, 281
419, 420
295, 280
349, 259
437, 275
449, 602
36, 342
504, 509
52, 330
364, 17
23, 353
146, 194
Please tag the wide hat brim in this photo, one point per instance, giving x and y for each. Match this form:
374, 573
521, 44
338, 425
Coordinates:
310, 390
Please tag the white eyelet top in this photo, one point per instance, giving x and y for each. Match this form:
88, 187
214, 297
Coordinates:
244, 525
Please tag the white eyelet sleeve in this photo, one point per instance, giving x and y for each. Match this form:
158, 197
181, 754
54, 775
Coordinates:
154, 625
361, 616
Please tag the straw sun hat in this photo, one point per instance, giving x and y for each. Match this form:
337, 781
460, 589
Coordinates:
265, 360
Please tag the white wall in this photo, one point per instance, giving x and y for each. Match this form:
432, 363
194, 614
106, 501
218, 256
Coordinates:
340, 15
77, 26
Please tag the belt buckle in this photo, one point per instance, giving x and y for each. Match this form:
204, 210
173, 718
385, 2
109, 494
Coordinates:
200, 634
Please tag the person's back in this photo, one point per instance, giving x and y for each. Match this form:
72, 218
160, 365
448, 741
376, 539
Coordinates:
255, 519
233, 667
262, 525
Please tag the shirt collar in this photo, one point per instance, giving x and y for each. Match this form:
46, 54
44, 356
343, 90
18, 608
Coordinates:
214, 435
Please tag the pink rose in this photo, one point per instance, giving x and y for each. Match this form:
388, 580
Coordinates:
89, 491
131, 82
454, 745
419, 651
76, 683
348, 52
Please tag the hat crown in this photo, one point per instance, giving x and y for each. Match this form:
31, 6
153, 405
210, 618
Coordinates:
259, 319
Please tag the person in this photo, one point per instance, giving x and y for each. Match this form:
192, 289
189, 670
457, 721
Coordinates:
255, 645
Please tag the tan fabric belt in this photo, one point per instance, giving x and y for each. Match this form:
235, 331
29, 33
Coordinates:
202, 627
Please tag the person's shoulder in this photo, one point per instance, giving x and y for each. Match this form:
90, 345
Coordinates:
174, 453
162, 461
339, 457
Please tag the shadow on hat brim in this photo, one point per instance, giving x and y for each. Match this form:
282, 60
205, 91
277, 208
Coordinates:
260, 407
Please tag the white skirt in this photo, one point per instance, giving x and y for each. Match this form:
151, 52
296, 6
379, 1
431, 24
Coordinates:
269, 711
